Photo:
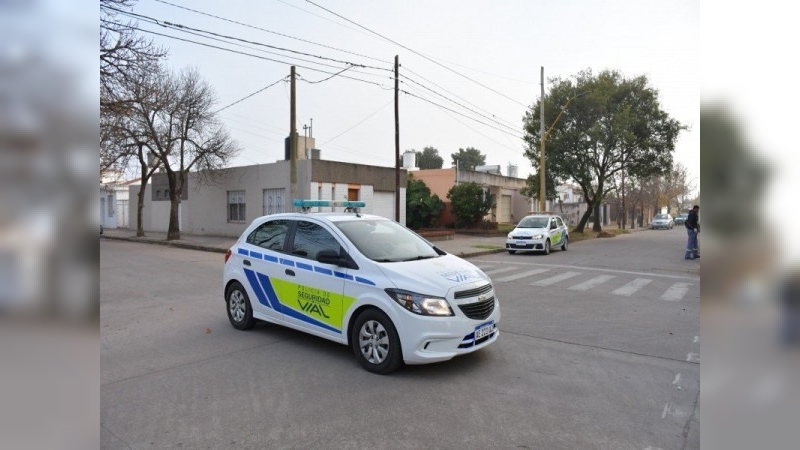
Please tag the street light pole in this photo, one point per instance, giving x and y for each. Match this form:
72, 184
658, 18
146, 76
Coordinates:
542, 185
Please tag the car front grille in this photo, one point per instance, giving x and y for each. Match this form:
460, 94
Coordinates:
473, 292
478, 310
521, 237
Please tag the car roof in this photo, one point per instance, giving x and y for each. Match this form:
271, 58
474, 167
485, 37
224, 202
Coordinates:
330, 216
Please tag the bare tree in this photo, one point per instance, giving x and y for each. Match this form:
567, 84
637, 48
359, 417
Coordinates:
124, 55
185, 135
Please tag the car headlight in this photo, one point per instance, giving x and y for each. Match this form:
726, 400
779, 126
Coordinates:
509, 235
537, 236
424, 305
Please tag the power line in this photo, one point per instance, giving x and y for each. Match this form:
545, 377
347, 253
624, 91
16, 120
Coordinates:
255, 56
406, 69
165, 23
417, 53
250, 95
273, 32
460, 114
491, 119
357, 124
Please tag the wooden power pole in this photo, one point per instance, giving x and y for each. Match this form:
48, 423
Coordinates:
396, 140
292, 140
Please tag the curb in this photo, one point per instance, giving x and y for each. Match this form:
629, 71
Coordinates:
166, 243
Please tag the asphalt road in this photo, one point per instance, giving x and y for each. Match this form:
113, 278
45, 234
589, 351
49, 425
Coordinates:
599, 349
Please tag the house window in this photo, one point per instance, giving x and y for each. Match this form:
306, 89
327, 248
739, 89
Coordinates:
236, 206
110, 204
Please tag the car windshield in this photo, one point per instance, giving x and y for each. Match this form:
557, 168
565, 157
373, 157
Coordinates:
661, 216
533, 222
386, 241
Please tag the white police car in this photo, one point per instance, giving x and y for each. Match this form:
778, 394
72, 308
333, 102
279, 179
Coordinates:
360, 280
538, 232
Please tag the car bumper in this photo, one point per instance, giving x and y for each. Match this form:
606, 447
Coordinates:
434, 340
524, 244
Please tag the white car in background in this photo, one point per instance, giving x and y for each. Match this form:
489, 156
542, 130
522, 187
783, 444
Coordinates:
662, 221
538, 232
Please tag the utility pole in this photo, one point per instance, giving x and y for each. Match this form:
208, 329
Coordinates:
396, 139
293, 139
542, 184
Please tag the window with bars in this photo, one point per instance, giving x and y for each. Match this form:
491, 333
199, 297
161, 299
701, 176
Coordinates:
236, 206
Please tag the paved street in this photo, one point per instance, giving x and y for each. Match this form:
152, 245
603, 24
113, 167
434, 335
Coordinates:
599, 349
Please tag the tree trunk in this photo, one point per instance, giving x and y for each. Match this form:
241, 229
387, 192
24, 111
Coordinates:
584, 219
597, 226
174, 229
140, 209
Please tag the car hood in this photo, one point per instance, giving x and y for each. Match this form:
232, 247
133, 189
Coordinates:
528, 232
434, 276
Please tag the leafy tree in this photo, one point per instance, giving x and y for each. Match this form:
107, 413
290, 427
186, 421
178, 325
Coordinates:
469, 202
608, 125
468, 159
421, 206
429, 158
531, 188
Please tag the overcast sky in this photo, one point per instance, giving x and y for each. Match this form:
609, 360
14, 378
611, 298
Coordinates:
484, 55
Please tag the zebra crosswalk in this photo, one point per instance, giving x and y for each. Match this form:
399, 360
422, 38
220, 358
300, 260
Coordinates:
623, 284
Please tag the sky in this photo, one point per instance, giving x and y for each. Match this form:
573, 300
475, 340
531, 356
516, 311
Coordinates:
485, 56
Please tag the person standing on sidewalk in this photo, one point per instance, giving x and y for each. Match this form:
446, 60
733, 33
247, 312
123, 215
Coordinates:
692, 225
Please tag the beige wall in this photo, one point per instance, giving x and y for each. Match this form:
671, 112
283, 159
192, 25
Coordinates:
205, 209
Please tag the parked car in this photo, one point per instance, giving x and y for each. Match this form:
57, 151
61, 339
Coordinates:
538, 232
359, 280
662, 221
681, 219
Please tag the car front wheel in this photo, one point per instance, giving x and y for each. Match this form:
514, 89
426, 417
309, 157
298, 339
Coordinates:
546, 247
375, 342
240, 313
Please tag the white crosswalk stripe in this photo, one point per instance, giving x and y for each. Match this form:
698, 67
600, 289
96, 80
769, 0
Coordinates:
675, 292
594, 282
631, 288
556, 279
517, 276
498, 270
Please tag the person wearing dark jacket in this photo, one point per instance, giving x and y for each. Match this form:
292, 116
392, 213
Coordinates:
692, 225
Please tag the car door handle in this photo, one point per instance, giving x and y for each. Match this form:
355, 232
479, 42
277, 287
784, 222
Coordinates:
247, 262
290, 272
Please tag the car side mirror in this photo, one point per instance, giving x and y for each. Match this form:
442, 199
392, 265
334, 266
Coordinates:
330, 256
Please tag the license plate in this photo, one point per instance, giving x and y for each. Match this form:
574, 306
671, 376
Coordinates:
522, 243
484, 330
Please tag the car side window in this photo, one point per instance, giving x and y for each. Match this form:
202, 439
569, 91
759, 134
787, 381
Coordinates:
270, 235
553, 224
559, 222
310, 239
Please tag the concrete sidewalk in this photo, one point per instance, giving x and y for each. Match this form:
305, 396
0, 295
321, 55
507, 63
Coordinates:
461, 245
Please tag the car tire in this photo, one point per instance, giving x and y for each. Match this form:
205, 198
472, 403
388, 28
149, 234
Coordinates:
511, 252
375, 342
565, 244
240, 312
546, 250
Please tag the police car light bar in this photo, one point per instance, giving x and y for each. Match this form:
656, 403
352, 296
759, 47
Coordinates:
320, 203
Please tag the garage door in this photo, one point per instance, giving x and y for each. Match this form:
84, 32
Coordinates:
504, 213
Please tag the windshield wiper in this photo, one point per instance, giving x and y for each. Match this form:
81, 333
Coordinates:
417, 258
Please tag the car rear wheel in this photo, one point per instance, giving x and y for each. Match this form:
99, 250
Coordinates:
546, 247
375, 342
240, 313
565, 244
